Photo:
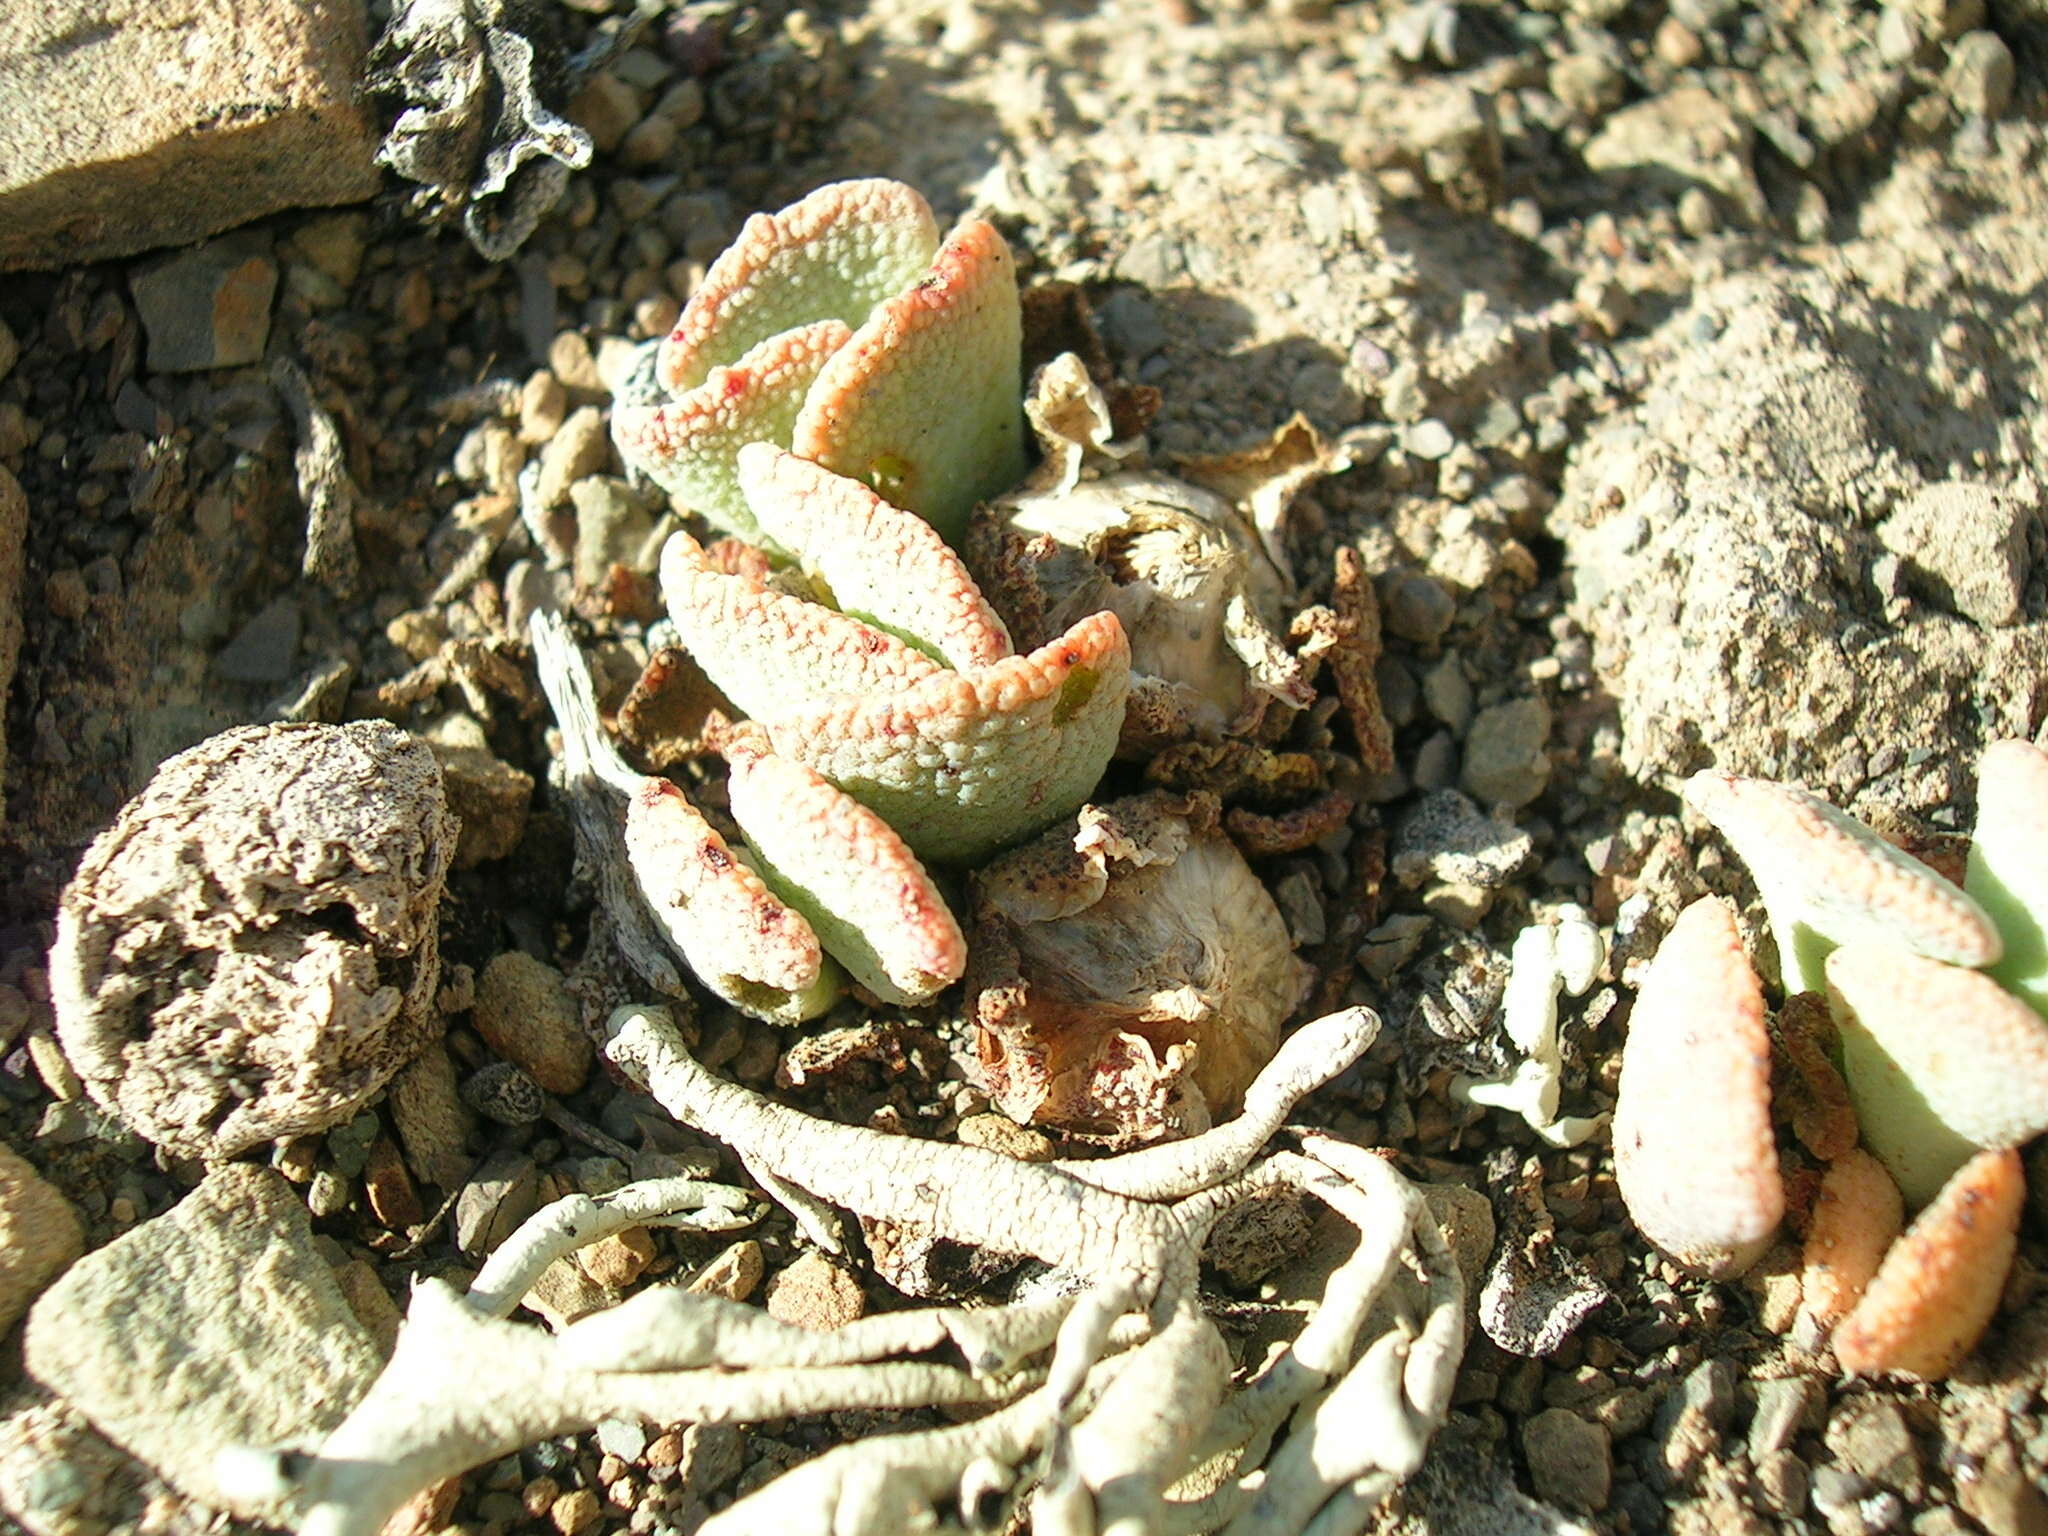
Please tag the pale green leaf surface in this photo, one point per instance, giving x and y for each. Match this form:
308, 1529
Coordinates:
924, 404
688, 445
868, 899
772, 653
833, 255
2008, 869
881, 563
963, 764
740, 938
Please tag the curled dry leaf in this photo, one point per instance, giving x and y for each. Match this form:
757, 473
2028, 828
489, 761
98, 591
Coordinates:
1938, 1287
1129, 973
1827, 879
1940, 1061
1812, 1094
2008, 864
1176, 564
1693, 1149
1855, 1217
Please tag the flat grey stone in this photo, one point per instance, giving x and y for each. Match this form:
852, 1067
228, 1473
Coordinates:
216, 1324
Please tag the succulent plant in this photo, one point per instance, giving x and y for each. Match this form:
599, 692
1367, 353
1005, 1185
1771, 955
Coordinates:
1935, 993
845, 329
910, 699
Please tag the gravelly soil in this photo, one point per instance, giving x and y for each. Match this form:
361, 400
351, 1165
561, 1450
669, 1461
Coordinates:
1648, 327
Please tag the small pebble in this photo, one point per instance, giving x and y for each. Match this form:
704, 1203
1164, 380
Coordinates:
814, 1292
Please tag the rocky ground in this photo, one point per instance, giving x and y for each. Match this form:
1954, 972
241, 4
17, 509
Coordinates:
1691, 359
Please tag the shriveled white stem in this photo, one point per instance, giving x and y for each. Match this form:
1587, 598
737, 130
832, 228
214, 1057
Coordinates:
424, 1420
1308, 1058
579, 1220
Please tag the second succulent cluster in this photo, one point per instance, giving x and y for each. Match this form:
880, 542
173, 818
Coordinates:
1915, 1059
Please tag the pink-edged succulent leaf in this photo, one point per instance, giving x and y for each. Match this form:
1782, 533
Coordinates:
833, 255
1694, 1153
740, 938
1827, 879
1938, 1287
687, 445
1940, 1061
868, 899
1855, 1219
771, 653
925, 403
877, 562
965, 763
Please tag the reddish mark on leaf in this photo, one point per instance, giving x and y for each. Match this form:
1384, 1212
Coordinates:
735, 383
716, 857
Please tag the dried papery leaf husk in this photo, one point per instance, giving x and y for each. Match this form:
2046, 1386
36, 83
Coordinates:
965, 763
1937, 1289
1827, 879
925, 402
740, 938
879, 563
2008, 865
768, 651
1176, 564
1122, 960
832, 255
688, 446
1855, 1218
1940, 1062
1693, 1149
869, 901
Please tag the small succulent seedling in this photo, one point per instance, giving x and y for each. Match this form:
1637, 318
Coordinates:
1933, 1296
913, 703
844, 328
1827, 879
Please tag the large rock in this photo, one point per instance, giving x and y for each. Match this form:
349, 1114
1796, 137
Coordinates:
251, 950
126, 124
39, 1235
215, 1325
1728, 537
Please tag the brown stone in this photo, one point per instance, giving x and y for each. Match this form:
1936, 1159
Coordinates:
126, 125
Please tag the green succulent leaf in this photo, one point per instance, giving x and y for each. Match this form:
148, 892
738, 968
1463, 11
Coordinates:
925, 404
770, 652
689, 445
833, 255
881, 563
866, 896
2008, 869
965, 763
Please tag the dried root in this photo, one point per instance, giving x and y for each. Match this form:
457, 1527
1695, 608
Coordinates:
1113, 1407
